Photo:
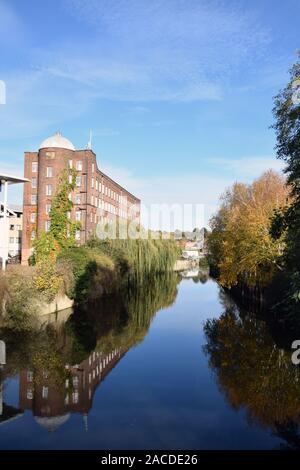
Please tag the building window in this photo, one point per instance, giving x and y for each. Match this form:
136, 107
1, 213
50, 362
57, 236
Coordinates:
34, 183
33, 199
93, 183
29, 376
48, 209
32, 235
75, 397
49, 190
75, 381
29, 394
78, 199
70, 197
70, 164
91, 217
47, 225
45, 392
70, 179
92, 200
78, 181
79, 165
11, 240
93, 167
77, 235
34, 167
78, 216
49, 171
50, 155
97, 185
33, 217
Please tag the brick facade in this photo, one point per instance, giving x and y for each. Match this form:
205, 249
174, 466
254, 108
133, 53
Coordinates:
96, 198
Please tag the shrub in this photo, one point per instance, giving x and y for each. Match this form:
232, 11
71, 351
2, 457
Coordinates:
94, 272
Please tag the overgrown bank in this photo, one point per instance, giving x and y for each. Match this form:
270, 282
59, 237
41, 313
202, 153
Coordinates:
61, 268
255, 240
83, 274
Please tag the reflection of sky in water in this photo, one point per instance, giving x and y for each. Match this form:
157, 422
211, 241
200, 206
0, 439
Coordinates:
161, 394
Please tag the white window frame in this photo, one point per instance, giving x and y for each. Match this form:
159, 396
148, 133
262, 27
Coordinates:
49, 172
49, 190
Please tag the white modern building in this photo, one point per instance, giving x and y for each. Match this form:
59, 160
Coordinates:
5, 181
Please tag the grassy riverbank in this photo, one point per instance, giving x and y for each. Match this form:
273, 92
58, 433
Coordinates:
83, 274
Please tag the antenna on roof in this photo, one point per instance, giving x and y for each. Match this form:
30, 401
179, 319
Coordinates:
89, 145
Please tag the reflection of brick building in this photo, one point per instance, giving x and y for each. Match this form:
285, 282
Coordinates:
50, 404
97, 198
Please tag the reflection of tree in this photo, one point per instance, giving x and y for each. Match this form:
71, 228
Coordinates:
252, 371
202, 276
112, 322
123, 321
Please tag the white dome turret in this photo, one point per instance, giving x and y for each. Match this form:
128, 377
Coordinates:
57, 141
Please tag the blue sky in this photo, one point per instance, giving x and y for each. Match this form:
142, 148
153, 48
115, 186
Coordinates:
178, 93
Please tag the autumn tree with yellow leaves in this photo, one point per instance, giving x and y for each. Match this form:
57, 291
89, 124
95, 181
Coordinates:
240, 244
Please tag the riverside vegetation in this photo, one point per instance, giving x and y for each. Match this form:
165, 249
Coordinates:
59, 267
110, 322
255, 240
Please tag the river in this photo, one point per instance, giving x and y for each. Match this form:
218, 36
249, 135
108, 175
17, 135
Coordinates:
175, 365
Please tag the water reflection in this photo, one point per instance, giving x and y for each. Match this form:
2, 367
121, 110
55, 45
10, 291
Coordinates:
162, 394
254, 372
61, 365
197, 274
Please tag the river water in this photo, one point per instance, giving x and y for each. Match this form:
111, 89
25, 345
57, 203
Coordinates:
173, 365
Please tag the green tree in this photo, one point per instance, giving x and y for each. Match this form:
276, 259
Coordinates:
60, 237
287, 127
62, 228
61, 234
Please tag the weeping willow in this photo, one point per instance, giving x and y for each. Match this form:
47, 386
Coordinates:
141, 259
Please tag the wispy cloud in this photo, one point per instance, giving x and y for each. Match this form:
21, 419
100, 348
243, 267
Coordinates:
248, 167
140, 51
168, 50
190, 188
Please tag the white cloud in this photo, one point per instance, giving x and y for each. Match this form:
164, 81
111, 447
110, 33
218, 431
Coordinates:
196, 189
167, 50
248, 167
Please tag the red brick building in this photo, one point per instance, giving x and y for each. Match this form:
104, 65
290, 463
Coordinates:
96, 199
